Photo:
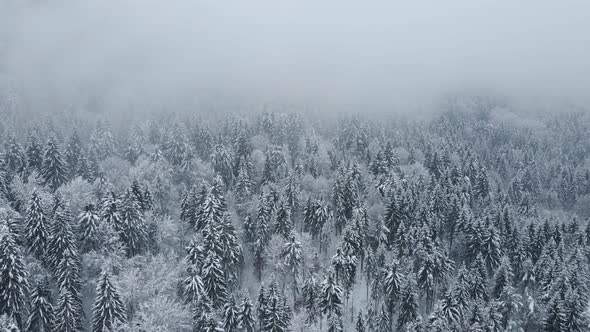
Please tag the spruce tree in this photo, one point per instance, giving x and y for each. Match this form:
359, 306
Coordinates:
331, 297
111, 211
108, 305
53, 170
87, 227
230, 316
62, 241
134, 230
311, 297
41, 315
360, 325
192, 286
408, 311
13, 278
68, 311
34, 152
283, 223
246, 316
213, 279
36, 226
73, 154
293, 260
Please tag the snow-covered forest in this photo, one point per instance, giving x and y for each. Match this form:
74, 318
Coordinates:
294, 166
472, 220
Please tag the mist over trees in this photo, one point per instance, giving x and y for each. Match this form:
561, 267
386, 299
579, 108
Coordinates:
474, 219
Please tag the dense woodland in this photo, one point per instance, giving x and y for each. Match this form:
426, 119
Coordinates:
472, 220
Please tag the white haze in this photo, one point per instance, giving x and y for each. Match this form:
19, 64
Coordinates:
329, 54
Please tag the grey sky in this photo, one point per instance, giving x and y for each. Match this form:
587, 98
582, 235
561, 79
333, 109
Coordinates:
323, 53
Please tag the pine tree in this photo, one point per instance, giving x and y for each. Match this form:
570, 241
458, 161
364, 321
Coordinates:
13, 277
245, 318
108, 305
36, 226
53, 170
41, 316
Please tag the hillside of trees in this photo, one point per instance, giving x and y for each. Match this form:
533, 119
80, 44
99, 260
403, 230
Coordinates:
474, 220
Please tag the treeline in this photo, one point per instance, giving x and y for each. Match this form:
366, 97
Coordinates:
282, 222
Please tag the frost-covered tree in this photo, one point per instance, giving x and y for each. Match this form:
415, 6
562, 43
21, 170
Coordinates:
88, 224
311, 300
214, 282
230, 316
133, 232
53, 169
109, 307
41, 315
13, 278
36, 226
34, 152
246, 321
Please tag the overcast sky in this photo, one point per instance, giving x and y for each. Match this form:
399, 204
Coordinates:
333, 53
